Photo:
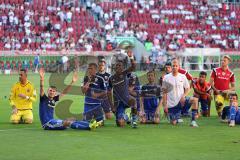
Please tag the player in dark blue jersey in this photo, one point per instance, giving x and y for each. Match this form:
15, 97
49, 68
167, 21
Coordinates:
134, 85
95, 91
122, 99
106, 103
47, 105
167, 70
151, 98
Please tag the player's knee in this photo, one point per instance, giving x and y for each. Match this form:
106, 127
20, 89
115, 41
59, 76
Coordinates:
156, 121
121, 122
204, 113
134, 111
131, 102
28, 121
218, 103
195, 100
143, 120
108, 115
15, 121
174, 122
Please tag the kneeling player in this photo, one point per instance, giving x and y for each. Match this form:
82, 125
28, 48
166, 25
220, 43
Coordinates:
134, 89
46, 109
95, 91
202, 90
122, 99
106, 102
176, 99
231, 113
150, 104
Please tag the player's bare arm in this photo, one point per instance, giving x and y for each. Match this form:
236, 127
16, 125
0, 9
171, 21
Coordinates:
212, 85
186, 91
98, 95
232, 88
85, 87
131, 91
132, 67
141, 107
66, 90
41, 73
159, 106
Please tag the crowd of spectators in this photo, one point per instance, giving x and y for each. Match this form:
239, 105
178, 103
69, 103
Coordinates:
194, 24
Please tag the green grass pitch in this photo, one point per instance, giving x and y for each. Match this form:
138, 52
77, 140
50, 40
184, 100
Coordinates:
212, 140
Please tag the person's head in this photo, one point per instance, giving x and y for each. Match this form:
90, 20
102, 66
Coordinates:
92, 69
101, 66
23, 76
233, 98
168, 67
151, 76
175, 66
202, 77
52, 91
225, 61
129, 53
119, 67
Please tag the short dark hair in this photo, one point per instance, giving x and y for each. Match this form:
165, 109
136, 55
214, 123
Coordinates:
53, 87
203, 73
23, 70
119, 61
233, 95
93, 64
173, 59
168, 63
151, 71
102, 61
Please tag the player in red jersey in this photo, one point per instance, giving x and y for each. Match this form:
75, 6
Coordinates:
186, 73
222, 82
202, 90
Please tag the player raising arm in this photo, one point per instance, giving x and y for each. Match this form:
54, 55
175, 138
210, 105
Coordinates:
47, 106
122, 99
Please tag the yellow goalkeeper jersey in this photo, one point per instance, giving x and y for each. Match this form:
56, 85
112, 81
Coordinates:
28, 90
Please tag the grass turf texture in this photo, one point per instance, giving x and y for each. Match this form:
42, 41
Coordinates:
212, 140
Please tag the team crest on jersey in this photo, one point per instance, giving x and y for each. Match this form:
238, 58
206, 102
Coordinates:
223, 73
106, 77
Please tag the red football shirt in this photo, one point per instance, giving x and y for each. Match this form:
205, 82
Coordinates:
222, 79
186, 73
203, 88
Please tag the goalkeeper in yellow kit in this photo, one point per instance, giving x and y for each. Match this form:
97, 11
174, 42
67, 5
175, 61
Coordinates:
21, 98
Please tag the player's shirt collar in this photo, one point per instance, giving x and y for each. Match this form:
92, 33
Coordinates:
23, 85
102, 72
